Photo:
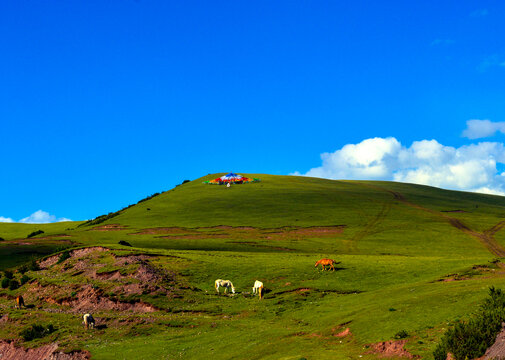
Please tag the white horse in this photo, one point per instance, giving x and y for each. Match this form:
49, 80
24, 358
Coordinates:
258, 288
88, 321
224, 283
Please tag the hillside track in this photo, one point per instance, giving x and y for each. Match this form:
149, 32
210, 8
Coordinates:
486, 237
369, 228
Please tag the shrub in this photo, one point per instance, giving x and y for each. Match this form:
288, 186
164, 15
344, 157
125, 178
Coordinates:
63, 256
35, 233
24, 279
36, 331
23, 268
8, 274
471, 339
34, 265
5, 283
2, 239
124, 243
13, 284
402, 334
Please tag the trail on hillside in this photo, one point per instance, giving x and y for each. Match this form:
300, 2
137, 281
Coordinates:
368, 230
486, 237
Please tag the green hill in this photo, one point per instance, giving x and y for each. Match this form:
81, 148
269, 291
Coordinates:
411, 260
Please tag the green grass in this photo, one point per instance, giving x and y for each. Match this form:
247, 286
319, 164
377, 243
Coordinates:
396, 245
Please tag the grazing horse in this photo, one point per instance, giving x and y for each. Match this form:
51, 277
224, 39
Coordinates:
224, 283
258, 287
324, 262
20, 302
88, 321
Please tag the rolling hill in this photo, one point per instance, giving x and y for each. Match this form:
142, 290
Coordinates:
411, 261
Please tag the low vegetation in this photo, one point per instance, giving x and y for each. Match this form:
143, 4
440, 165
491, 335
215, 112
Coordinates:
470, 339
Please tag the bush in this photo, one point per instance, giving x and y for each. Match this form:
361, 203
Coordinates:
35, 233
402, 334
63, 256
36, 331
2, 239
13, 284
34, 265
23, 268
5, 283
469, 340
8, 274
124, 243
24, 279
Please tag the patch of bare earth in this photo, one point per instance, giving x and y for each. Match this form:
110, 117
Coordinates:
392, 348
343, 333
9, 351
51, 237
255, 244
109, 227
163, 230
134, 275
90, 299
50, 261
222, 231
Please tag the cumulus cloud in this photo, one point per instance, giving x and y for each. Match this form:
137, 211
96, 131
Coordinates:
470, 167
6, 219
41, 217
476, 129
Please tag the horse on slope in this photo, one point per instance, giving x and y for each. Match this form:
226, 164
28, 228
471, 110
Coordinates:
326, 262
20, 302
88, 321
227, 284
258, 288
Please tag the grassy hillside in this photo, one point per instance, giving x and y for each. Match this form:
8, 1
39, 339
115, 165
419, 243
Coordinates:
411, 260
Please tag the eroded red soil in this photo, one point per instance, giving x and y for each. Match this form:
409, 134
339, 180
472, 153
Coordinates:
391, 348
9, 351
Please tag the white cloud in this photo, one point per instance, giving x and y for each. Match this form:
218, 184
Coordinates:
469, 167
6, 219
41, 217
476, 129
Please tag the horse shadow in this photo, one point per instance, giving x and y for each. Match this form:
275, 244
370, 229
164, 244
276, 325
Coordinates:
101, 326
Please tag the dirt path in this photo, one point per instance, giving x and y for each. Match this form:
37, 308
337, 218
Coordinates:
486, 237
369, 228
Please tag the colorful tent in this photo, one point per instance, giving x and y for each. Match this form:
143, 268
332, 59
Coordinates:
231, 178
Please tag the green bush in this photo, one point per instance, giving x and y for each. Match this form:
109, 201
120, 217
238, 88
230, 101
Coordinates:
124, 243
35, 233
2, 239
5, 283
23, 268
34, 265
8, 274
469, 340
402, 334
63, 256
24, 279
36, 331
13, 284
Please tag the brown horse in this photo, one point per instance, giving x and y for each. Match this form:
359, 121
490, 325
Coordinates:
20, 302
324, 262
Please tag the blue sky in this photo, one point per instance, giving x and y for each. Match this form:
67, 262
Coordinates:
104, 103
